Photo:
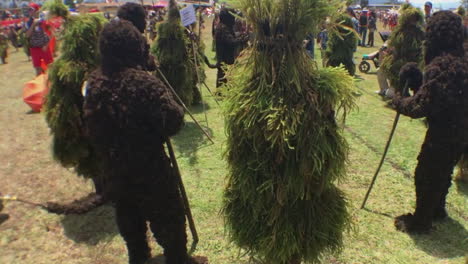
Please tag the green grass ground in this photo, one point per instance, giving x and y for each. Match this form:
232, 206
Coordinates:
32, 236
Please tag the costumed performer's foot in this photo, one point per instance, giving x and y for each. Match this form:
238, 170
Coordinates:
440, 214
406, 223
198, 260
3, 218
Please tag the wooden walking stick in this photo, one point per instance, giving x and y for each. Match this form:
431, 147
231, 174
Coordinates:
183, 194
11, 198
194, 47
387, 146
212, 94
183, 105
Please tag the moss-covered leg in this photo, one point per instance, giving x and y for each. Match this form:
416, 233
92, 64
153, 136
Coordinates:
132, 227
432, 180
167, 221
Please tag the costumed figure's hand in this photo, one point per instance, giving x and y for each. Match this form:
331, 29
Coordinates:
411, 76
396, 100
244, 38
192, 35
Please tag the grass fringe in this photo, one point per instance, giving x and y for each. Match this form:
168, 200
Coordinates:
285, 149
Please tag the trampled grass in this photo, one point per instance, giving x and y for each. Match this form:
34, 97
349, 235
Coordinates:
31, 236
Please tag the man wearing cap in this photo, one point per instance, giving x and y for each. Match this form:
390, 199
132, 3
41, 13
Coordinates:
427, 10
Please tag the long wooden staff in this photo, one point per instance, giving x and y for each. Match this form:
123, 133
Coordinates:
183, 193
195, 58
10, 198
387, 146
183, 105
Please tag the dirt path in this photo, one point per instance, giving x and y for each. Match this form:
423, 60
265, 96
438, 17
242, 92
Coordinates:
28, 170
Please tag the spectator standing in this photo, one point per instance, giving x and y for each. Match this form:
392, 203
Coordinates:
372, 29
3, 46
427, 10
351, 13
322, 40
310, 45
363, 24
39, 46
385, 21
13, 37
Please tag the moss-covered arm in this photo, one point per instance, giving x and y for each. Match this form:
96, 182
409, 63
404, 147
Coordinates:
168, 116
415, 106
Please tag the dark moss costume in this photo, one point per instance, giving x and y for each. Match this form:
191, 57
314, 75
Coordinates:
136, 14
443, 100
129, 114
227, 44
342, 44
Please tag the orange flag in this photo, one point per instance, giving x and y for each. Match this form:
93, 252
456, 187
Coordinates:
34, 92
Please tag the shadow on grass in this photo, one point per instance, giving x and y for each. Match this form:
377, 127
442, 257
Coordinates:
196, 109
447, 240
462, 187
191, 139
93, 227
159, 259
4, 218
31, 112
378, 213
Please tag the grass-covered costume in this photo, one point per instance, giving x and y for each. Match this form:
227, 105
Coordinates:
285, 149
3, 47
462, 174
64, 102
197, 64
129, 114
405, 44
342, 44
171, 50
443, 100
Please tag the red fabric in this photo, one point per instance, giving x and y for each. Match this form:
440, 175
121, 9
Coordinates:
50, 27
5, 23
52, 44
38, 55
34, 6
34, 92
161, 4
55, 22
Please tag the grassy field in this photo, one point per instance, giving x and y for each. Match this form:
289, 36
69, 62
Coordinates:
32, 236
